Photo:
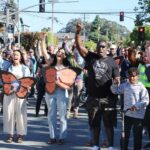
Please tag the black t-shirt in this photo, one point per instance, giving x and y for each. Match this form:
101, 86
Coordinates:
100, 74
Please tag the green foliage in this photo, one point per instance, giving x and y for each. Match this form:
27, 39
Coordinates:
102, 29
49, 39
141, 18
99, 29
71, 26
134, 35
103, 38
90, 45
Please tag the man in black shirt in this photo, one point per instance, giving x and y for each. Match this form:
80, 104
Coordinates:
101, 70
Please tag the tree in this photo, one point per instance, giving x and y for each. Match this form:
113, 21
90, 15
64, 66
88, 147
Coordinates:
134, 35
28, 39
90, 45
71, 27
95, 29
99, 29
144, 17
102, 29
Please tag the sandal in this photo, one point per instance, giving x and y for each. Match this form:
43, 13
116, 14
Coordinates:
61, 142
52, 141
19, 139
9, 139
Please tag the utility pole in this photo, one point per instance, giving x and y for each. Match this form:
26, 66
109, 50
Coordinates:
7, 22
18, 24
52, 21
84, 23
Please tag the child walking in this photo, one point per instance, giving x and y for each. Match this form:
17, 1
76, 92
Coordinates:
135, 100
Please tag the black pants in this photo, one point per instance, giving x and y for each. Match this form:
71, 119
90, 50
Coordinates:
137, 126
40, 94
96, 112
147, 119
147, 116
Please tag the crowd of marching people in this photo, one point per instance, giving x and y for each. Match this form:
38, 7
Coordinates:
111, 76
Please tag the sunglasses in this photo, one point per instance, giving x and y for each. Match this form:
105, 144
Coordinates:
102, 46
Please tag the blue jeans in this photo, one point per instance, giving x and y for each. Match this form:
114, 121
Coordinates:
57, 102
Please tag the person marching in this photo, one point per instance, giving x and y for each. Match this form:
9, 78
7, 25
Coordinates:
101, 70
144, 77
56, 100
136, 99
14, 108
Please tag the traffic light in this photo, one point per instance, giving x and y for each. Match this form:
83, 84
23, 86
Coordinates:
141, 33
42, 6
10, 29
21, 21
121, 16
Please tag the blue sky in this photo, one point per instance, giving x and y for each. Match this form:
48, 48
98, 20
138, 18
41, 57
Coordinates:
38, 21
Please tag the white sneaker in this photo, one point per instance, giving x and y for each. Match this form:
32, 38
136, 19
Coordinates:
110, 148
95, 148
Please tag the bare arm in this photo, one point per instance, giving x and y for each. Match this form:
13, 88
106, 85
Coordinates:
44, 50
82, 50
38, 51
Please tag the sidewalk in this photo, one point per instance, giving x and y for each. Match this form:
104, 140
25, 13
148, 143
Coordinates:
38, 133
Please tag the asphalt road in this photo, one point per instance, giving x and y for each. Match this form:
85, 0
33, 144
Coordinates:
38, 133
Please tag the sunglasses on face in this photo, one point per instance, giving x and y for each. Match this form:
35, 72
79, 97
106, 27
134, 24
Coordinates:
102, 46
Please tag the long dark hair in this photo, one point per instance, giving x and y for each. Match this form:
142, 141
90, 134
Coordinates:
132, 57
65, 60
22, 61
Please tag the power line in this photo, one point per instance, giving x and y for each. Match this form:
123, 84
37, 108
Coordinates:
105, 13
41, 17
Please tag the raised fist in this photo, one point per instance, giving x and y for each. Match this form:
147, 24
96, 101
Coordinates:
78, 27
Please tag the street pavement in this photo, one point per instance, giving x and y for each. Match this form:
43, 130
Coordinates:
38, 133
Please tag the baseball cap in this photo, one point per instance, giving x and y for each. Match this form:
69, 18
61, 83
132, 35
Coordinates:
113, 46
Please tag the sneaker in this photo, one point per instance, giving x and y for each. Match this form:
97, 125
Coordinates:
68, 114
95, 148
110, 148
